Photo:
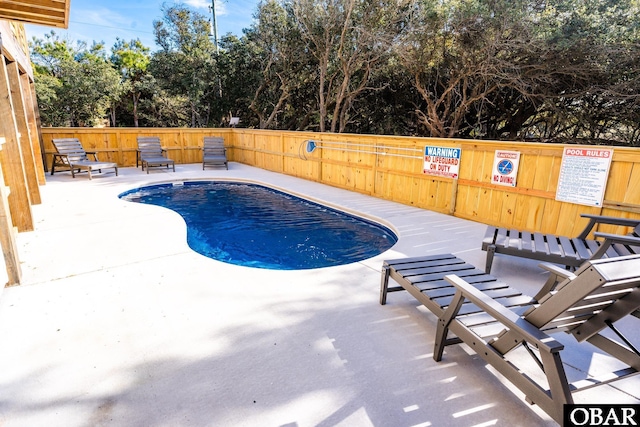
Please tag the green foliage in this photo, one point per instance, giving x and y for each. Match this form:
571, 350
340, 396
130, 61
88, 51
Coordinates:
132, 60
47, 88
75, 85
185, 65
559, 70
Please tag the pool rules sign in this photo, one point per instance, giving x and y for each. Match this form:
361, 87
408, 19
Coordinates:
583, 175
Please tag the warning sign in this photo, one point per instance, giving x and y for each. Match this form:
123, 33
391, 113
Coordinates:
442, 161
505, 168
583, 175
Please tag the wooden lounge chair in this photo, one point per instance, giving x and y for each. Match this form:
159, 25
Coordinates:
71, 156
213, 152
571, 252
497, 321
152, 154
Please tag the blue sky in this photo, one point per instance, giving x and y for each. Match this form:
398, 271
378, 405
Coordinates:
104, 20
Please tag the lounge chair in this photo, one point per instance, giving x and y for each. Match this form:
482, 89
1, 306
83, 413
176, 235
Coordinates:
510, 331
152, 154
570, 252
71, 156
213, 152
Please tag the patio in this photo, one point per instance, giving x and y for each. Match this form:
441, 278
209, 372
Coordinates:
118, 322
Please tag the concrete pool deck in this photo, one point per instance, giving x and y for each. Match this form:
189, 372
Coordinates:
119, 323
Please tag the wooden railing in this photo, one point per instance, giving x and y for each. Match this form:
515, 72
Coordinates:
391, 168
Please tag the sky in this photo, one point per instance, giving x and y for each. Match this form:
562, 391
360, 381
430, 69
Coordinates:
104, 20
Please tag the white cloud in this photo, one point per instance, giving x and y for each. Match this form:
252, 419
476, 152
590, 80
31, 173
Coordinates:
221, 8
101, 16
198, 4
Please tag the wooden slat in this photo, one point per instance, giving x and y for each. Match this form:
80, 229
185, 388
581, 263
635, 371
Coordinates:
11, 158
621, 250
591, 245
527, 244
489, 235
53, 13
502, 238
417, 268
554, 246
494, 288
567, 247
476, 277
7, 238
398, 263
26, 147
539, 243
426, 274
514, 239
435, 293
581, 248
33, 121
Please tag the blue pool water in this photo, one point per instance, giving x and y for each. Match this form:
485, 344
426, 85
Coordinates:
252, 225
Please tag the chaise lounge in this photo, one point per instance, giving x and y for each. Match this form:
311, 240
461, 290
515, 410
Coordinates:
497, 321
213, 152
570, 252
152, 154
71, 156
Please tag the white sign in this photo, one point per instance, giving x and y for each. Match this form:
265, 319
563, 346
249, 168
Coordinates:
442, 161
583, 175
505, 168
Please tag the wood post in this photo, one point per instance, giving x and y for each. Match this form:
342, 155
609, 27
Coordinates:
38, 125
20, 108
7, 239
11, 159
454, 196
33, 124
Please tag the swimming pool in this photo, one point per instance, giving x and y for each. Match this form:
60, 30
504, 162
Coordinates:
253, 225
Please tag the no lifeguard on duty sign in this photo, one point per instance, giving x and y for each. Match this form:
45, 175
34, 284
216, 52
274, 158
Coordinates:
442, 161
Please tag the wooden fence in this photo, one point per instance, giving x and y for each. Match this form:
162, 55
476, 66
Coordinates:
391, 168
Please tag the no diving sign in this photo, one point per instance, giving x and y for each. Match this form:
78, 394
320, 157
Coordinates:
505, 168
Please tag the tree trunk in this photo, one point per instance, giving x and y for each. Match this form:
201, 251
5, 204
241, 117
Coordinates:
135, 110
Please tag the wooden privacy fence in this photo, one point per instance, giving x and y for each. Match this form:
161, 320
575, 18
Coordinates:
391, 168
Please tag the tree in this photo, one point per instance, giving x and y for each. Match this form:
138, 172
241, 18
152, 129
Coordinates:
560, 70
600, 42
132, 60
90, 86
275, 44
74, 85
239, 73
159, 108
185, 64
460, 54
346, 39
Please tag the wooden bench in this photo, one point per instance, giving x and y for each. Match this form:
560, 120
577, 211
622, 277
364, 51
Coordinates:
423, 278
494, 319
568, 251
152, 154
71, 156
213, 152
